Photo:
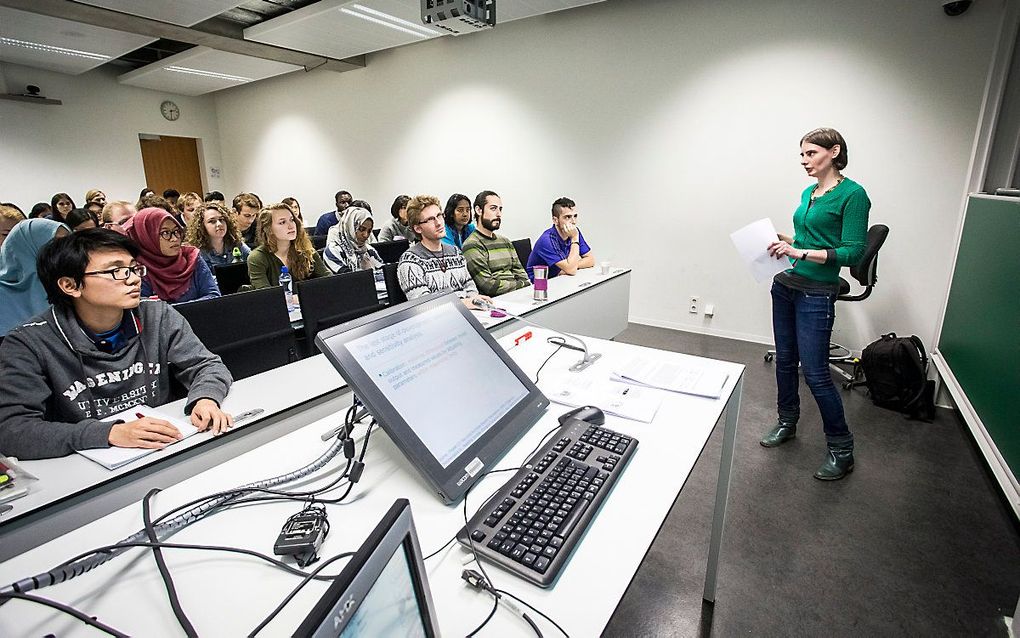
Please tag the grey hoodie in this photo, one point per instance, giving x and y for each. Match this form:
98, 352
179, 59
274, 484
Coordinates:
56, 387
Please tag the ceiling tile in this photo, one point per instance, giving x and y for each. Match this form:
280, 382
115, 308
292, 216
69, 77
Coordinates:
203, 70
183, 12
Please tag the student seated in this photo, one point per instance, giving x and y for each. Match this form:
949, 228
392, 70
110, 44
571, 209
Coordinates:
347, 248
41, 209
457, 216
22, 292
562, 248
187, 206
213, 233
9, 218
295, 207
117, 213
327, 220
176, 273
62, 204
431, 266
397, 227
282, 242
492, 260
246, 212
81, 219
97, 352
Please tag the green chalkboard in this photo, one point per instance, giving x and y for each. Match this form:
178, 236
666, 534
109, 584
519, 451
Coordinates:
980, 338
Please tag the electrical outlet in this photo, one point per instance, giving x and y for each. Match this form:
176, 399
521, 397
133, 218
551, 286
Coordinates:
694, 305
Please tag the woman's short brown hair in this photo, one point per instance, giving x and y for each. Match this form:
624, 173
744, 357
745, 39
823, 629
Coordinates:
415, 206
827, 138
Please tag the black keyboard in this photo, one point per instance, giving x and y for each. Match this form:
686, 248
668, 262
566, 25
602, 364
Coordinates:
532, 524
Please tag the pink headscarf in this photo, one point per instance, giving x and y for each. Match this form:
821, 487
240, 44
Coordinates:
170, 277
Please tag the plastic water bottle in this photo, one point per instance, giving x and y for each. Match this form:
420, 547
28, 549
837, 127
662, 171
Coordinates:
285, 281
236, 255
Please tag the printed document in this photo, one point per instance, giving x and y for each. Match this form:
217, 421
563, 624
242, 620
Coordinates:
627, 401
752, 243
113, 457
688, 379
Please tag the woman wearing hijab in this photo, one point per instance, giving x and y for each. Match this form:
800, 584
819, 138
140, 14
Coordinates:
22, 292
176, 273
347, 247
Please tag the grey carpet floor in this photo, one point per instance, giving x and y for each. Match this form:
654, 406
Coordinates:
917, 541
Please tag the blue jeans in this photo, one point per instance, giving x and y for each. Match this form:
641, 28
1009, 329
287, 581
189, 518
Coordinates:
802, 326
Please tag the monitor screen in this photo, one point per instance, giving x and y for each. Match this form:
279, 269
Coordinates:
447, 394
383, 589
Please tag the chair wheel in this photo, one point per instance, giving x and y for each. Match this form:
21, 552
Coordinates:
768, 357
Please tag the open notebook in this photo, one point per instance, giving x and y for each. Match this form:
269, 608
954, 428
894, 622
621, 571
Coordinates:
113, 457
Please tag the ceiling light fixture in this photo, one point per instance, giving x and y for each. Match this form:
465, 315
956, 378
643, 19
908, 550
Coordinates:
46, 48
208, 74
386, 16
383, 23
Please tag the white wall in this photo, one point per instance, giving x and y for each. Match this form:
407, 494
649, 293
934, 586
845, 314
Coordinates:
91, 140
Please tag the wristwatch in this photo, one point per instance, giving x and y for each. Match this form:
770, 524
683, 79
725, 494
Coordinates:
803, 256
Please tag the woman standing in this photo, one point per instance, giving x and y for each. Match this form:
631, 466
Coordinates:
347, 247
283, 242
212, 231
457, 216
176, 273
830, 229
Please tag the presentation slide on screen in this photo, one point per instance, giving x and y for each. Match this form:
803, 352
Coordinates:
441, 376
391, 607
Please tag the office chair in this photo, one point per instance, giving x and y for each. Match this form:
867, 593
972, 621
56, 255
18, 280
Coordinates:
394, 293
330, 301
866, 274
390, 251
231, 277
250, 331
523, 248
318, 241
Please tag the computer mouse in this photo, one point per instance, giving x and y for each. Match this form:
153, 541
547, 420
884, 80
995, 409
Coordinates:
588, 413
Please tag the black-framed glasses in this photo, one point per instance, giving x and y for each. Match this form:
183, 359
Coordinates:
431, 220
170, 234
121, 273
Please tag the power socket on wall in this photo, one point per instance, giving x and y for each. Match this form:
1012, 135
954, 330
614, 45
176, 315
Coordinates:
694, 305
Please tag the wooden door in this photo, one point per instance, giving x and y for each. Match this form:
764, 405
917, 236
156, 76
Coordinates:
171, 162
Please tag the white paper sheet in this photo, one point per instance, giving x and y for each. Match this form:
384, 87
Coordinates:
113, 457
693, 379
752, 243
627, 401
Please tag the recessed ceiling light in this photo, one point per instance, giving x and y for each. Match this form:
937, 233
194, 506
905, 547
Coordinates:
208, 74
46, 48
384, 23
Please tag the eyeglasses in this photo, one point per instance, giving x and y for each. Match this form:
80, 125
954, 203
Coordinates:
429, 220
170, 234
122, 273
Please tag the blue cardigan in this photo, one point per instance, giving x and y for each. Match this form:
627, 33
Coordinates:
203, 286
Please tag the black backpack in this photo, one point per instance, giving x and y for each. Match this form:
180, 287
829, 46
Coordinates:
896, 373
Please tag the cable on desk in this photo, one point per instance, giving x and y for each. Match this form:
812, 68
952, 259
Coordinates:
69, 570
294, 592
67, 609
534, 609
558, 348
164, 572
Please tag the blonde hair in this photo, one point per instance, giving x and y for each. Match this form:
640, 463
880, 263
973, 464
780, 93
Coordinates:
91, 194
415, 206
198, 236
186, 198
301, 254
107, 215
9, 212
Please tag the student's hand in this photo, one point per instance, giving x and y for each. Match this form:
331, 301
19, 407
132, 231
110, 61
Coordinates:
467, 301
570, 228
207, 415
146, 432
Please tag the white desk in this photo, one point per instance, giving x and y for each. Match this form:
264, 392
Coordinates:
226, 595
73, 490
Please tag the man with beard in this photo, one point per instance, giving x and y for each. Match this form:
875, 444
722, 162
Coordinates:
491, 259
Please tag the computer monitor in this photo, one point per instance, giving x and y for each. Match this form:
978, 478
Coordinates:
382, 591
447, 394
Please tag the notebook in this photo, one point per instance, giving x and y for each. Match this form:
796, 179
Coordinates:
114, 457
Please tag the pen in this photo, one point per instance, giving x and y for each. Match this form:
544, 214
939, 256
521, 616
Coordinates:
139, 415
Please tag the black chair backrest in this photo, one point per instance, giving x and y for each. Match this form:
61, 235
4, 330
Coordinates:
394, 292
250, 331
375, 233
866, 270
390, 251
231, 277
523, 248
310, 230
318, 241
330, 301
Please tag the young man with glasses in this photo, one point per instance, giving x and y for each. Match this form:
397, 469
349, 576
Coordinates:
430, 266
562, 248
98, 351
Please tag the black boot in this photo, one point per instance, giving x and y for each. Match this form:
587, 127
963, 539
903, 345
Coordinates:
780, 433
838, 463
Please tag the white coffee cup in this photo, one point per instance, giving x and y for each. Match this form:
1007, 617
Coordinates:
606, 265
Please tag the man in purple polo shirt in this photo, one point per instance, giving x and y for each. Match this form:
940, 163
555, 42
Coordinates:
562, 248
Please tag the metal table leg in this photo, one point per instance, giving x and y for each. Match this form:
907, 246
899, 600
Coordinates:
722, 489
